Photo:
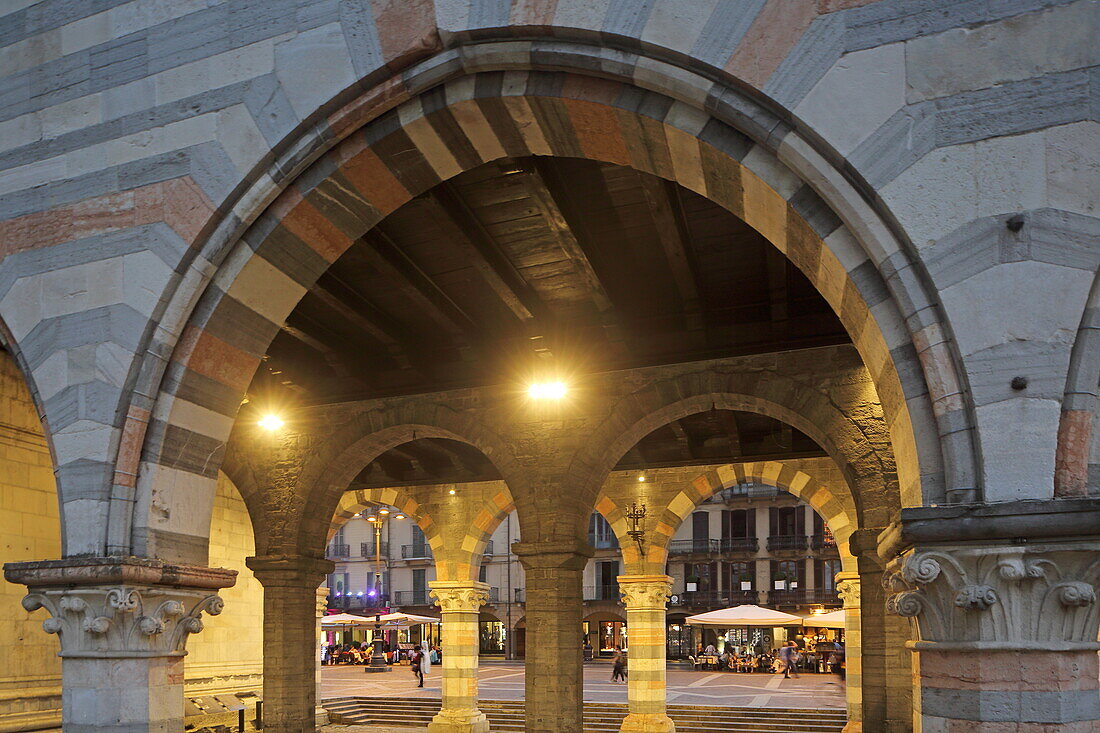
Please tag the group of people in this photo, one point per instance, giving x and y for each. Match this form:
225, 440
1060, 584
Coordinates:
788, 659
362, 652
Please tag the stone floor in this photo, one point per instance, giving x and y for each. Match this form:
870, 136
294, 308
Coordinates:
504, 681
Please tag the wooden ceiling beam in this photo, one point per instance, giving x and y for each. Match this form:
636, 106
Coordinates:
550, 194
417, 285
352, 307
667, 210
488, 258
346, 363
733, 431
682, 438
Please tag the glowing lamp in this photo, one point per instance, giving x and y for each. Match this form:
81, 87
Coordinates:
271, 422
547, 391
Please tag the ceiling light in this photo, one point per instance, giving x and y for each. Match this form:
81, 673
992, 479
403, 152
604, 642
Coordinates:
452, 492
372, 518
383, 511
547, 390
642, 477
271, 422
399, 516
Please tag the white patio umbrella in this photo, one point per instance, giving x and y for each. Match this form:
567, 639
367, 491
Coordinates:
346, 619
401, 620
831, 620
746, 615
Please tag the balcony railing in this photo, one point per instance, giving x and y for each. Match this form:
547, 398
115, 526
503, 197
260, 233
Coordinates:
366, 549
824, 596
740, 544
714, 598
416, 552
823, 542
601, 592
355, 602
339, 551
787, 542
787, 598
683, 547
411, 598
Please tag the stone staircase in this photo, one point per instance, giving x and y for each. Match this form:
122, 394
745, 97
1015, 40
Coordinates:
598, 717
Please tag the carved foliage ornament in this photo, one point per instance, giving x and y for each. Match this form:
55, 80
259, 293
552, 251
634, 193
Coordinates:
647, 595
1029, 595
123, 621
452, 600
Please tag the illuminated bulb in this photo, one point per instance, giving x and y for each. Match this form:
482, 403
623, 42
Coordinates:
383, 511
271, 422
372, 519
399, 516
641, 478
452, 492
547, 390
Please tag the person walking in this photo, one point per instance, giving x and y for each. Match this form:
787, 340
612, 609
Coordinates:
618, 666
417, 661
788, 654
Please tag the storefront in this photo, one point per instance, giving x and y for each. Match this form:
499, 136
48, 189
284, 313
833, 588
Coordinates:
492, 637
605, 634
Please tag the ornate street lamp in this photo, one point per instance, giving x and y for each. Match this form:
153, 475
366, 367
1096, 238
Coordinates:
378, 519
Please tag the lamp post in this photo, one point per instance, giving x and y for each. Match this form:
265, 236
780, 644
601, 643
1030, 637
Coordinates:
378, 657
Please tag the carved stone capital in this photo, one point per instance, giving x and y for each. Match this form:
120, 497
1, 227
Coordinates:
123, 621
456, 596
645, 592
847, 587
1034, 596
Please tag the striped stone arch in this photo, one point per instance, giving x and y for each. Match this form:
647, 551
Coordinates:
833, 503
1077, 461
457, 550
472, 105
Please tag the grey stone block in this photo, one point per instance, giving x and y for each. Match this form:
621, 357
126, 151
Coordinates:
249, 21
60, 80
905, 138
627, 17
1012, 108
611, 61
213, 170
201, 390
965, 252
117, 62
877, 24
724, 29
84, 479
743, 113
814, 54
118, 323
189, 38
184, 450
815, 211
1064, 238
869, 283
96, 401
317, 13
723, 137
910, 371
13, 27
361, 35
645, 103
1065, 706
1042, 363
488, 13
241, 327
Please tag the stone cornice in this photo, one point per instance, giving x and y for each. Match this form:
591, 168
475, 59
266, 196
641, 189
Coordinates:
84, 571
1012, 521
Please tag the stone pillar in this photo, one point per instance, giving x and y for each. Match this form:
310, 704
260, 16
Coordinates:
290, 639
645, 597
555, 660
848, 588
123, 624
320, 714
1005, 635
459, 603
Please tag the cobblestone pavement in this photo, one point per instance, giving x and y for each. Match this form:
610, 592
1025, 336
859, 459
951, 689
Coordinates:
504, 681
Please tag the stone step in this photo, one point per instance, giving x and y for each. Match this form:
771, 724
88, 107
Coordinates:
598, 717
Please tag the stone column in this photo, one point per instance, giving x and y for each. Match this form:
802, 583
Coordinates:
123, 624
1005, 635
320, 714
848, 588
290, 639
645, 597
555, 660
459, 603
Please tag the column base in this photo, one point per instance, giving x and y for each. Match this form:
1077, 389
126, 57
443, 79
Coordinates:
853, 726
460, 721
369, 669
320, 717
648, 723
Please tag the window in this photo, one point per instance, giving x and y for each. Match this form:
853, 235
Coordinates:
787, 575
600, 534
607, 580
740, 577
738, 523
700, 526
787, 521
825, 574
482, 573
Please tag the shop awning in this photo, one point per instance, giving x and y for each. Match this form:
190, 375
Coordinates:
745, 615
831, 620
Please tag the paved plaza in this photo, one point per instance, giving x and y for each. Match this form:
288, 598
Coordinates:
504, 681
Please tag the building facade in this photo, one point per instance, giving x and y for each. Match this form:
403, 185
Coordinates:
748, 544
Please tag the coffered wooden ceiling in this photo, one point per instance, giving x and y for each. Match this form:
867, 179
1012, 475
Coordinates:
534, 262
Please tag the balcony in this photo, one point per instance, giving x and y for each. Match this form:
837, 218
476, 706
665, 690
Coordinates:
739, 544
356, 602
412, 598
416, 552
714, 598
824, 596
338, 551
781, 542
787, 598
366, 549
685, 547
601, 592
823, 542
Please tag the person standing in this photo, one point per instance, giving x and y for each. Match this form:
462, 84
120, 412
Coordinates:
788, 654
618, 666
